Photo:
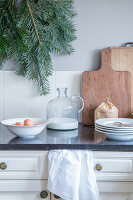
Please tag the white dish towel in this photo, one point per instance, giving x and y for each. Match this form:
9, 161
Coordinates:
71, 175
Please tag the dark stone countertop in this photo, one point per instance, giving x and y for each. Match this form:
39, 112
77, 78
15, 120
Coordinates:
85, 137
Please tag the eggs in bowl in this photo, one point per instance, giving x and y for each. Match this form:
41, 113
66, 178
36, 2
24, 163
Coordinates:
26, 128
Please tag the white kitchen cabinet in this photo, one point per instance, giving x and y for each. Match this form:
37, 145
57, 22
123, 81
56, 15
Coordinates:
26, 172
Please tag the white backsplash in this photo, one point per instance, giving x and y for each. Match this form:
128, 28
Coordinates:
19, 98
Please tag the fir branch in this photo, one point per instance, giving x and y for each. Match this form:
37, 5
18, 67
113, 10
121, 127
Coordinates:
65, 1
13, 2
72, 14
34, 23
56, 48
42, 82
1, 60
33, 76
51, 27
24, 21
46, 69
12, 51
64, 46
30, 32
62, 24
21, 71
37, 34
31, 50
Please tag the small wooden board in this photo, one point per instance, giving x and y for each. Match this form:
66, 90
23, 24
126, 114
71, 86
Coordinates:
105, 83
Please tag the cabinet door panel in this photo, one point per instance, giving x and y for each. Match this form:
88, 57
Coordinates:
115, 166
22, 190
115, 187
24, 165
114, 197
115, 190
20, 196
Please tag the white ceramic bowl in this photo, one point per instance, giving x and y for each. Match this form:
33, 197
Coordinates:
25, 131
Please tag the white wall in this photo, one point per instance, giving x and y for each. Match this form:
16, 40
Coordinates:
19, 97
100, 24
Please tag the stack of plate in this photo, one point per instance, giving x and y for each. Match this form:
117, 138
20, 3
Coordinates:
115, 128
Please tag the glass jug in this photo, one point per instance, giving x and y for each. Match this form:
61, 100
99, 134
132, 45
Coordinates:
62, 112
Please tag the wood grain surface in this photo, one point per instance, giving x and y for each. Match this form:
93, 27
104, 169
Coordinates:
122, 60
105, 83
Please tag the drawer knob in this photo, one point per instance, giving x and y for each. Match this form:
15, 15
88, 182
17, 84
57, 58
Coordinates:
98, 167
56, 197
3, 165
44, 194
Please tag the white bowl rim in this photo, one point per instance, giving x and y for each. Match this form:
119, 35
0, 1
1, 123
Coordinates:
3, 122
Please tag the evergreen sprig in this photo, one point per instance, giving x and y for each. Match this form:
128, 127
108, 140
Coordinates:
33, 29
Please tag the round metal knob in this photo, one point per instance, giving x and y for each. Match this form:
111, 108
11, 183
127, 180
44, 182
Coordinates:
3, 165
44, 194
98, 167
56, 197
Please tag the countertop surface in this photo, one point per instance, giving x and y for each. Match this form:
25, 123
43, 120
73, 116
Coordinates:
85, 137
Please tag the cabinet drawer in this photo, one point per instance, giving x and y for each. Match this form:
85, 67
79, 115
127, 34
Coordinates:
115, 190
23, 190
24, 165
115, 187
113, 165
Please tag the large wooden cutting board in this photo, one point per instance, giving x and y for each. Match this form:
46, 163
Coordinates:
105, 83
122, 60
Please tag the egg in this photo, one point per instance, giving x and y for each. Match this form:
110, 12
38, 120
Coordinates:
28, 122
18, 124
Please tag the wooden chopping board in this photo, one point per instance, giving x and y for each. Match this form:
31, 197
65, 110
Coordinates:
105, 83
122, 60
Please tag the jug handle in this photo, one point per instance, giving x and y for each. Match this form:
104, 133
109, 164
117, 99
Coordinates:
81, 100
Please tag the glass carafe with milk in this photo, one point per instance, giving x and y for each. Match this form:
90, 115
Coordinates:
62, 112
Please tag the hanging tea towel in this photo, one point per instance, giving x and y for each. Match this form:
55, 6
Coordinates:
71, 175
